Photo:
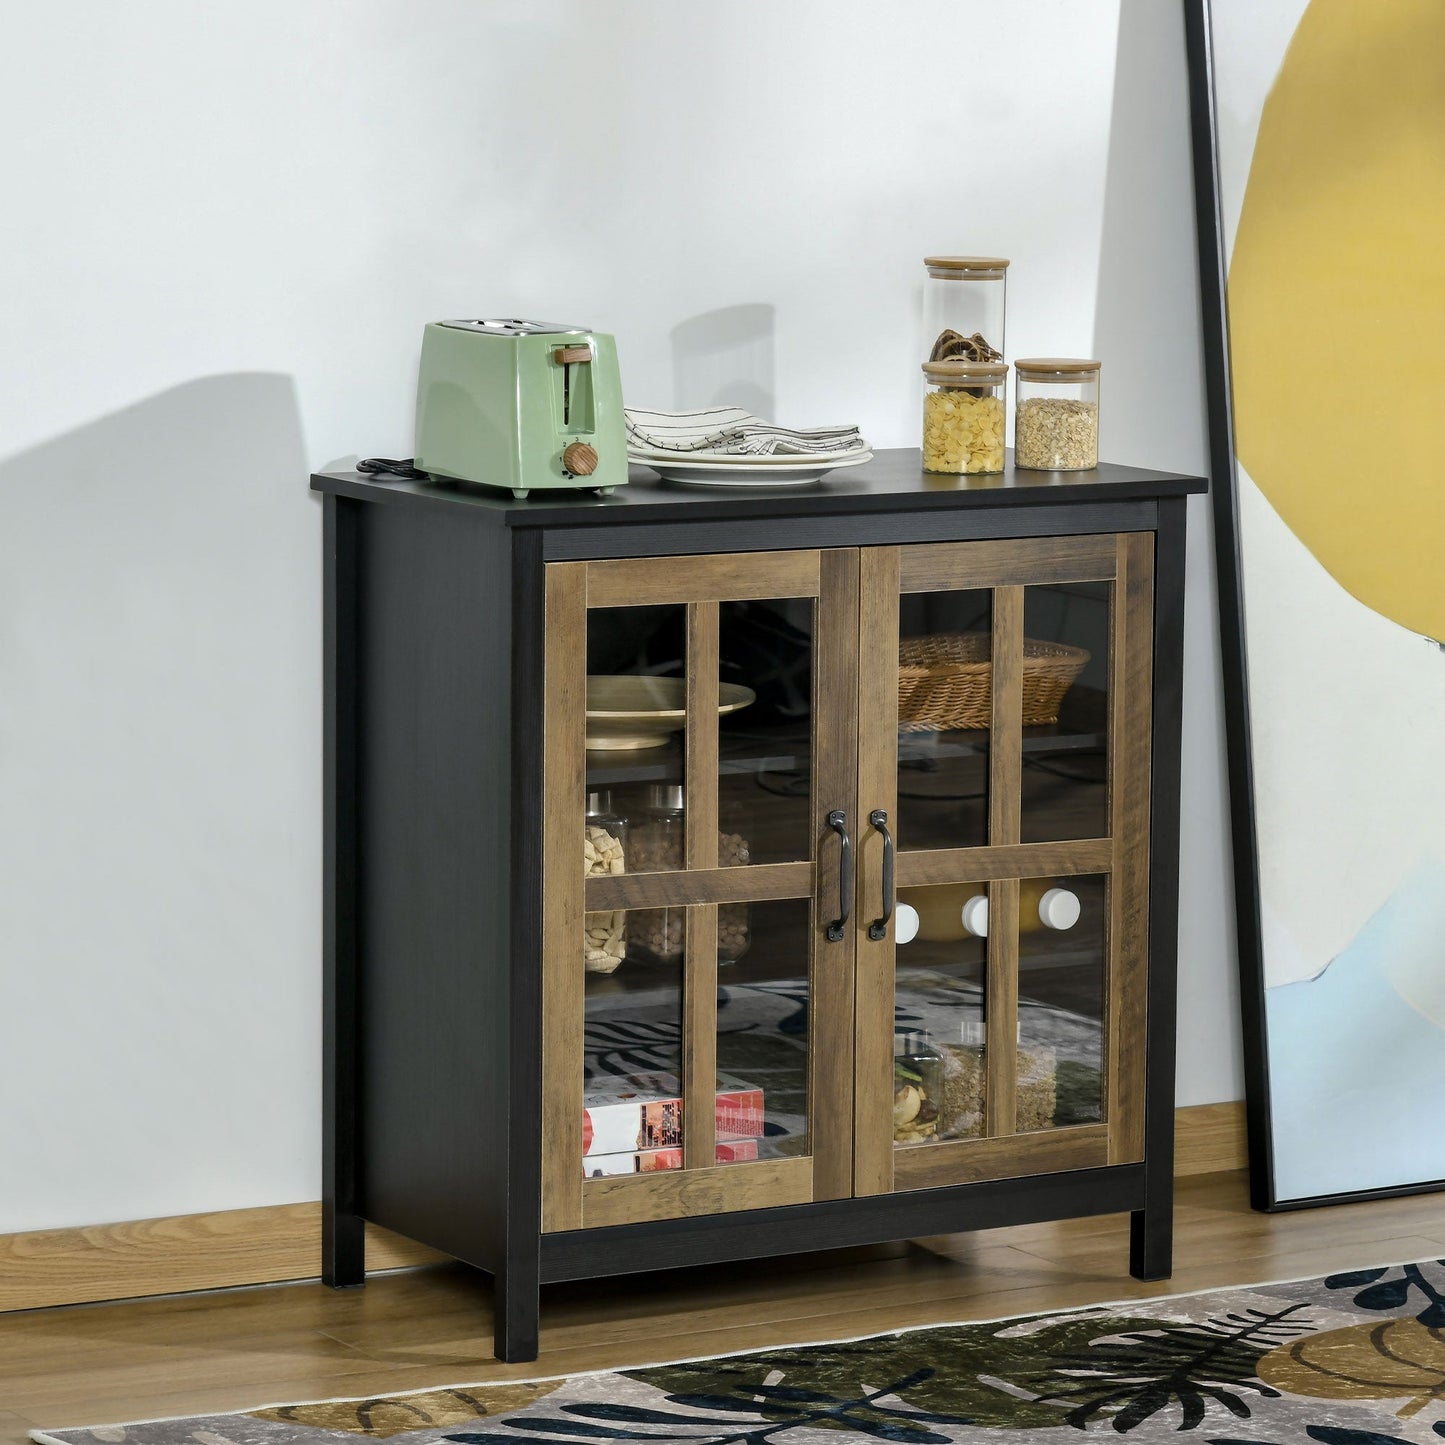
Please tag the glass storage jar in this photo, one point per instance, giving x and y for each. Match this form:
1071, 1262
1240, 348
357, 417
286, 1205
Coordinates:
963, 307
658, 846
1056, 416
917, 1088
604, 851
963, 416
734, 920
965, 1077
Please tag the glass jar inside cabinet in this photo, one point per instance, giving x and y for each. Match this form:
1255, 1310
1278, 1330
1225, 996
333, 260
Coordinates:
604, 854
658, 833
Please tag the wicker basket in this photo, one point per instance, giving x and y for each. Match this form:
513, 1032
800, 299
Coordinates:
946, 681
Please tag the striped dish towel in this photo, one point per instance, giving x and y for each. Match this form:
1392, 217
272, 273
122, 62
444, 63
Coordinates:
730, 429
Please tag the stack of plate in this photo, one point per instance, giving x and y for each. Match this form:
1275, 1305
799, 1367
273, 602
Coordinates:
730, 469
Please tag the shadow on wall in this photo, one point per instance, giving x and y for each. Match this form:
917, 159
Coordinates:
1147, 322
160, 786
727, 357
1152, 410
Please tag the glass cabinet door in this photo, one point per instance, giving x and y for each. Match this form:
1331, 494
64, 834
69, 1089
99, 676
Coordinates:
1005, 780
699, 732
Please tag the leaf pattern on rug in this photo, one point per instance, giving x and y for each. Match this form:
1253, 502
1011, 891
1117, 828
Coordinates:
1131, 1377
1393, 1360
709, 1419
1376, 1291
389, 1415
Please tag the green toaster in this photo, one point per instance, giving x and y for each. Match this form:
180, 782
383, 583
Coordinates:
525, 405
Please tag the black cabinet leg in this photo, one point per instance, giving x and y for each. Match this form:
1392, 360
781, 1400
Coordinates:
343, 1248
1151, 1242
518, 1303
343, 1241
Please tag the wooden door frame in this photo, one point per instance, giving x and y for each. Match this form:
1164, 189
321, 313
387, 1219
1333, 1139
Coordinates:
1125, 561
700, 584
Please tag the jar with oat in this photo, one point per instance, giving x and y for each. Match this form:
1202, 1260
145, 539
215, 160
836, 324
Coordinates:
1056, 417
604, 851
963, 416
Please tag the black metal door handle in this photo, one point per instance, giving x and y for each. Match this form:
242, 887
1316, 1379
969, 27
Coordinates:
878, 929
838, 822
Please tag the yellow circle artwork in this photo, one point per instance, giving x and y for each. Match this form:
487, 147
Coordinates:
1337, 302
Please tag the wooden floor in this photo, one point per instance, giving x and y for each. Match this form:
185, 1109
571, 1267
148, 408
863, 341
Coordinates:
93, 1364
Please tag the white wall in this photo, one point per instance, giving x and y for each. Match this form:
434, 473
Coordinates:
223, 228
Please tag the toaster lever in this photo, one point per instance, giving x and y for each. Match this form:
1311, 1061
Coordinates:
572, 355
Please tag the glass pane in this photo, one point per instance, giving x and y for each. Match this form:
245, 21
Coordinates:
1062, 971
940, 1014
762, 1021
1066, 712
944, 708
632, 1089
765, 748
636, 691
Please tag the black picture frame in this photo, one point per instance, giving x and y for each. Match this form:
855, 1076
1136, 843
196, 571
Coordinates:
1224, 492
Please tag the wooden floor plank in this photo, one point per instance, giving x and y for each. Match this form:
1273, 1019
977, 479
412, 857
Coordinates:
233, 1349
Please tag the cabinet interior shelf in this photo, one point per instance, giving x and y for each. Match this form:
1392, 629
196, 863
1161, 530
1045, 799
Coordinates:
785, 750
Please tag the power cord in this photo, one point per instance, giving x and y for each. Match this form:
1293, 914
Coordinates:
388, 467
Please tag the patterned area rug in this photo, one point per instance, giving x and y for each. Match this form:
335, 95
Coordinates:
1351, 1359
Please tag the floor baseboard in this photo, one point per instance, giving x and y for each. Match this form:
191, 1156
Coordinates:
282, 1242
1209, 1138
176, 1255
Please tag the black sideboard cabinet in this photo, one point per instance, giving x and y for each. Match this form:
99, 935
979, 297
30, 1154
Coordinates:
930, 917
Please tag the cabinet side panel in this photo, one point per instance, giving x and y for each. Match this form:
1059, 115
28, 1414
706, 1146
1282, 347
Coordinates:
1132, 687
435, 767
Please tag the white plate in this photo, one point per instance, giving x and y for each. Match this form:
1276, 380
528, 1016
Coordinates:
742, 459
777, 474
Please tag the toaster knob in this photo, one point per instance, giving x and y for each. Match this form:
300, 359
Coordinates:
580, 459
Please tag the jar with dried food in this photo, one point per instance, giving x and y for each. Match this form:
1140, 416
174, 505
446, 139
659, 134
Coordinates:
658, 844
917, 1089
963, 307
965, 1078
734, 920
1056, 417
964, 1075
963, 416
604, 852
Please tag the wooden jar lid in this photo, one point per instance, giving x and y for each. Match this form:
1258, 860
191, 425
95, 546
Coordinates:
958, 373
1057, 368
959, 268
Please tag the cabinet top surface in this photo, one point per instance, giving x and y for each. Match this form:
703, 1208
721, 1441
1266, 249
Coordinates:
893, 481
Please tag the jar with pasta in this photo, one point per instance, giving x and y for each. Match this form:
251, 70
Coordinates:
1056, 417
963, 416
604, 852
